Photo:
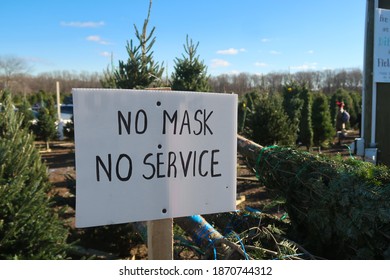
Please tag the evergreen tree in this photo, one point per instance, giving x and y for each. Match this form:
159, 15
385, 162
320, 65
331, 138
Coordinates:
305, 135
292, 104
190, 73
45, 128
29, 227
246, 107
357, 104
140, 69
323, 130
108, 80
27, 114
269, 124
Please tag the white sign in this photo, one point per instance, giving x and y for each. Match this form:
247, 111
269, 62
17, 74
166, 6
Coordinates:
147, 155
382, 46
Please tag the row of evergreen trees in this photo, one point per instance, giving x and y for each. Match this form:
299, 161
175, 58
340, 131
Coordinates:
42, 123
295, 116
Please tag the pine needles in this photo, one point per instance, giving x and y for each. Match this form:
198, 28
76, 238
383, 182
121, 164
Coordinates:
339, 208
29, 229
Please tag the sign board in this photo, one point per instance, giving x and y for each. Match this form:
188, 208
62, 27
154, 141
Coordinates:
382, 46
148, 155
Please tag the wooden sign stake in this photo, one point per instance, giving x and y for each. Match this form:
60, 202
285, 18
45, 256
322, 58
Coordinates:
160, 239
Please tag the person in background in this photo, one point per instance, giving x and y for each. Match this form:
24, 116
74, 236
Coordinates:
341, 119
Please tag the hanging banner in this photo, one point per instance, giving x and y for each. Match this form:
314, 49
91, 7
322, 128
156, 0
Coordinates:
382, 46
147, 155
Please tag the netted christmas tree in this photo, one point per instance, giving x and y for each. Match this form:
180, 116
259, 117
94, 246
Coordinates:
29, 227
338, 208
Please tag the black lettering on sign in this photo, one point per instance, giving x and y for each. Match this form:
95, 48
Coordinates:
129, 167
214, 163
182, 123
151, 165
172, 119
100, 163
141, 122
186, 164
123, 167
170, 164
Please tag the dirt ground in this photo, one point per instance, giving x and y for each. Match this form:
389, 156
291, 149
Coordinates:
60, 161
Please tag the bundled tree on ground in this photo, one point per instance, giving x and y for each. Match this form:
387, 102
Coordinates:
29, 227
190, 74
339, 209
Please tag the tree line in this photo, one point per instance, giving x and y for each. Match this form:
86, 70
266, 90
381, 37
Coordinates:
326, 81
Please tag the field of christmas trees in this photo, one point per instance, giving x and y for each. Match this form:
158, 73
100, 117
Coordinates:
293, 201
300, 194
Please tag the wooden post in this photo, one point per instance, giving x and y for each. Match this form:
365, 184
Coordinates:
58, 101
160, 239
60, 124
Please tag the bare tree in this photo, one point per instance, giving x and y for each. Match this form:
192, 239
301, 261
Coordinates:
11, 66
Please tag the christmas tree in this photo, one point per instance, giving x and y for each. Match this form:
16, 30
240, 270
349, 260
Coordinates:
140, 69
322, 122
45, 128
190, 73
29, 227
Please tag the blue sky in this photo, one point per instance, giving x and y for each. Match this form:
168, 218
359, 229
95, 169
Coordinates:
254, 36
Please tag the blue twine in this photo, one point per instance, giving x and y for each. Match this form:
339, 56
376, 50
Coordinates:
252, 210
242, 245
204, 232
259, 159
349, 149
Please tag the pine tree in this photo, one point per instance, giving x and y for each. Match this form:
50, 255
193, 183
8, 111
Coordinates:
27, 114
323, 130
29, 228
269, 122
140, 69
305, 135
45, 128
292, 104
108, 79
190, 73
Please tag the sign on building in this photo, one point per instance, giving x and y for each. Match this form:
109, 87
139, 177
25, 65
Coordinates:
147, 155
382, 46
